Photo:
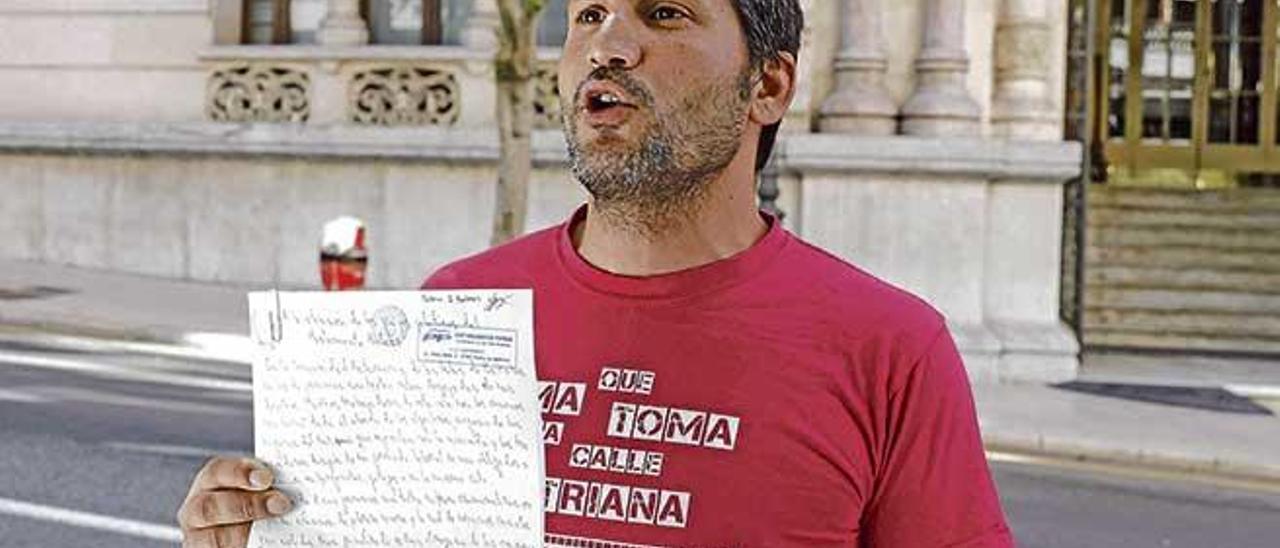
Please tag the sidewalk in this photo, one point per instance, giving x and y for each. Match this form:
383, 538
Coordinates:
1024, 419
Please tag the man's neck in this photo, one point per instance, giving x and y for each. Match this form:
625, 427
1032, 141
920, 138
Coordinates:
721, 226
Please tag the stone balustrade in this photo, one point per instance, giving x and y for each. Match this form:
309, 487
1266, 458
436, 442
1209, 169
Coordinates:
367, 85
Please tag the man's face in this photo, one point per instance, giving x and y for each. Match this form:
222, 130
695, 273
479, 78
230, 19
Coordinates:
655, 96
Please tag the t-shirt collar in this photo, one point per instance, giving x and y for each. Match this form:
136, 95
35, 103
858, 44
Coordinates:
682, 284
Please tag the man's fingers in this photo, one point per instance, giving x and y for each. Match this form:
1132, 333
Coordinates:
239, 473
232, 536
215, 508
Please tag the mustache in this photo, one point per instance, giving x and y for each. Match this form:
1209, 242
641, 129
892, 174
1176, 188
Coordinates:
636, 90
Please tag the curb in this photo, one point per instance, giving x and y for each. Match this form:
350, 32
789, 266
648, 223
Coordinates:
1259, 476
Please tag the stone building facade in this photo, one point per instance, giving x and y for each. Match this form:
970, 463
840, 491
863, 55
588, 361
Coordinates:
205, 140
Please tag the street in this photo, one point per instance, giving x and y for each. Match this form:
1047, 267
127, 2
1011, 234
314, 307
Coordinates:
97, 449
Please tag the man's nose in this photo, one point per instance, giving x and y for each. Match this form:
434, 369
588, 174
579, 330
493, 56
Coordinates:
616, 45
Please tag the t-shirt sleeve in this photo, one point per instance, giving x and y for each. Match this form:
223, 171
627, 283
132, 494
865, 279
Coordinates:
444, 278
933, 487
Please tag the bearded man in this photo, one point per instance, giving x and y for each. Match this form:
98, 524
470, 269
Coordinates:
712, 379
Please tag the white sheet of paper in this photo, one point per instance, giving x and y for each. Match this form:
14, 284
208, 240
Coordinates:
399, 419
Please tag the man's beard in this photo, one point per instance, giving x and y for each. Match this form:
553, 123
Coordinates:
658, 183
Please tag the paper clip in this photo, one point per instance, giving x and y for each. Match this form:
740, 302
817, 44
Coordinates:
277, 320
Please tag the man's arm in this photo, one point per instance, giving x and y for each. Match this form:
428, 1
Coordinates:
933, 487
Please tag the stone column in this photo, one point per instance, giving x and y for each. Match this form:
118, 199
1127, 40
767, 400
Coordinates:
860, 102
1021, 107
481, 30
342, 25
941, 105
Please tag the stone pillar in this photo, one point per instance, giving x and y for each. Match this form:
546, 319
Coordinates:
941, 105
342, 25
860, 102
1021, 107
481, 30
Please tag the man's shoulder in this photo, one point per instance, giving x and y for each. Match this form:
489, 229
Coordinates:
863, 302
509, 265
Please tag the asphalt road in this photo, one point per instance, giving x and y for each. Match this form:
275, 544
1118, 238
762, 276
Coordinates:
97, 450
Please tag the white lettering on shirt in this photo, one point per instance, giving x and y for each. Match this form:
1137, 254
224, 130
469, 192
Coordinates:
609, 502
632, 462
562, 398
626, 381
678, 426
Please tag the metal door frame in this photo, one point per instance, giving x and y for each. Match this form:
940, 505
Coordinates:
1133, 152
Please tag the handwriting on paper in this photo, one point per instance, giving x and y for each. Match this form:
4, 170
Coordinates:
399, 419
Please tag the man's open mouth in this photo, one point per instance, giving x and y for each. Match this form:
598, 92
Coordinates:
603, 101
600, 97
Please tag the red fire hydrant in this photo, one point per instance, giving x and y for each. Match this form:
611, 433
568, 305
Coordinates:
343, 257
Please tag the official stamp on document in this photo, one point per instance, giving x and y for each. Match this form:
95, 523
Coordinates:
471, 346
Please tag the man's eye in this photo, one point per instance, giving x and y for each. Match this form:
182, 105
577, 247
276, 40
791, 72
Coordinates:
590, 16
666, 13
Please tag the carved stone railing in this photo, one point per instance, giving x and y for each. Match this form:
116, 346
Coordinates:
398, 95
438, 86
250, 92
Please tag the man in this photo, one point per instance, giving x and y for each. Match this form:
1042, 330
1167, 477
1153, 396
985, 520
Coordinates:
709, 379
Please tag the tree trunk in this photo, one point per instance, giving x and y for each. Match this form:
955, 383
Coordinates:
513, 70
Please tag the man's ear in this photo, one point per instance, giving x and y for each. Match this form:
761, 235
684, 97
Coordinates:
774, 90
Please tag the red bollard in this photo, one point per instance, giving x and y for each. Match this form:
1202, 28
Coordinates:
343, 257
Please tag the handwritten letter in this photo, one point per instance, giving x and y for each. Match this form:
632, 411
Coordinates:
399, 419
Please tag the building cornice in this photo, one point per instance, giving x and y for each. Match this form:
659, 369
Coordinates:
430, 144
968, 159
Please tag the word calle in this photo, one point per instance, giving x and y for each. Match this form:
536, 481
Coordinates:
615, 459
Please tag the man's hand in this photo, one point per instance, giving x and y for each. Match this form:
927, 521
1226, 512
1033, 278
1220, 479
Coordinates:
226, 497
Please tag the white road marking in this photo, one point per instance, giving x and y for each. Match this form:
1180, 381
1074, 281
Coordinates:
1013, 458
20, 397
172, 450
123, 372
64, 393
88, 520
225, 348
1259, 391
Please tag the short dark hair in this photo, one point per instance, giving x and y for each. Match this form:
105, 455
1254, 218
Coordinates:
771, 27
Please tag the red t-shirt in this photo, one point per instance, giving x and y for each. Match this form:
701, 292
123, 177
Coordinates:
780, 397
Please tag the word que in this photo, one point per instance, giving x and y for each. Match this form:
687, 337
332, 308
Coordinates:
626, 381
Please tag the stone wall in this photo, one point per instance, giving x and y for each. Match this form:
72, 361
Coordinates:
206, 204
973, 226
136, 136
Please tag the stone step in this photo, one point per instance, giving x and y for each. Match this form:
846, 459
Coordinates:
1165, 236
1188, 279
1227, 200
1185, 257
1174, 300
1192, 324
1103, 218
1158, 341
